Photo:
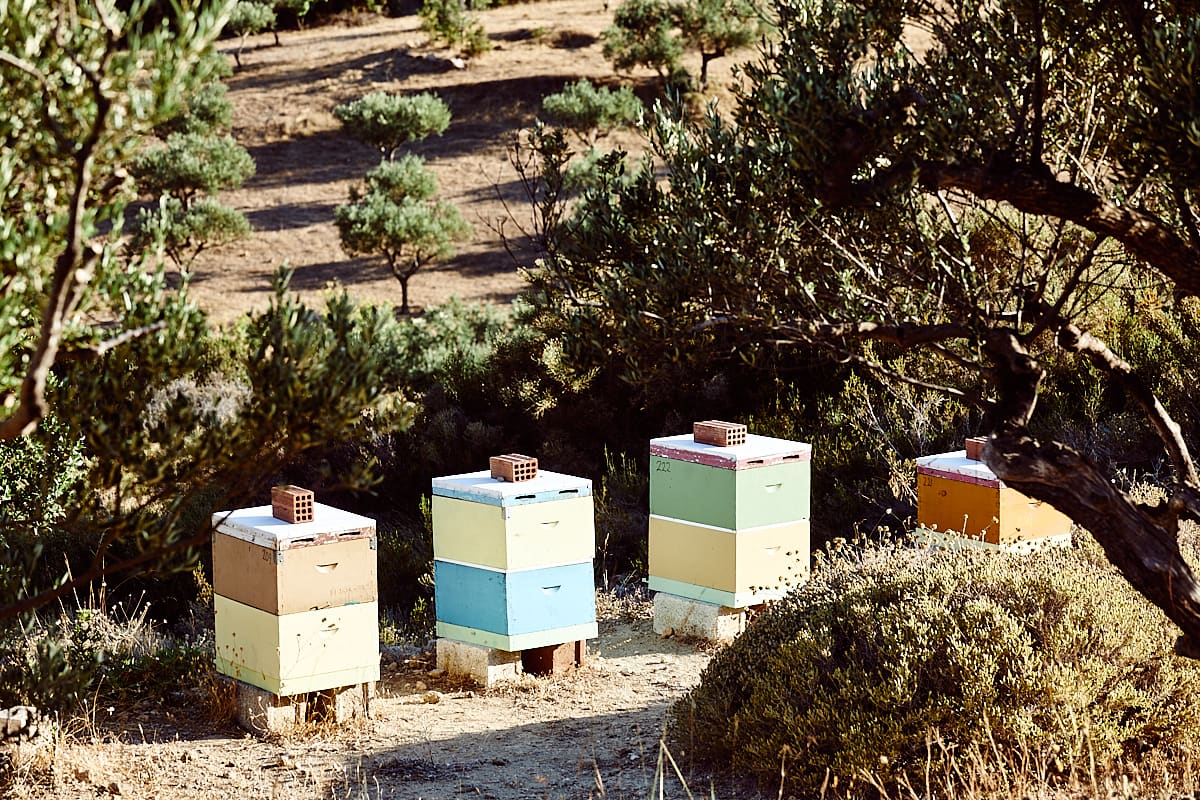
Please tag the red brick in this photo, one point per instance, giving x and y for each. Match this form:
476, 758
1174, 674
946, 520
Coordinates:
513, 467
975, 447
721, 434
292, 503
554, 659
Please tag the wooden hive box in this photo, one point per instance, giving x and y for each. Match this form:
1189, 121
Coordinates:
729, 568
297, 653
514, 610
546, 520
284, 568
960, 495
764, 481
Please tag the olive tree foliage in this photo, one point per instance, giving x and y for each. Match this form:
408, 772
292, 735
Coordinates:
157, 419
590, 112
248, 18
387, 121
398, 218
987, 182
656, 33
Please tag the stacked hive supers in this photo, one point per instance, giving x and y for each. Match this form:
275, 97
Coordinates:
296, 603
729, 526
512, 566
960, 502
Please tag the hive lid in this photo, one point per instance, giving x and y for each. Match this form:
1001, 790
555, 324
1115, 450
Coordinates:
956, 466
258, 526
481, 487
758, 451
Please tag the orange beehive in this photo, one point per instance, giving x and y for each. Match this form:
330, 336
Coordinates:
958, 494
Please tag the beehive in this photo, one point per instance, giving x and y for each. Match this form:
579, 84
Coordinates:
961, 496
282, 568
295, 603
729, 568
513, 560
297, 653
762, 482
728, 524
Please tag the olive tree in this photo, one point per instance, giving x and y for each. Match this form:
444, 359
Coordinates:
656, 33
387, 121
398, 218
991, 184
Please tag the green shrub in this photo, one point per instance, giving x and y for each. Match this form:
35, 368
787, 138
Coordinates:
851, 676
591, 112
184, 232
190, 164
447, 21
386, 121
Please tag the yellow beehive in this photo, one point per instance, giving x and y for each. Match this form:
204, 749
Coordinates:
730, 568
296, 653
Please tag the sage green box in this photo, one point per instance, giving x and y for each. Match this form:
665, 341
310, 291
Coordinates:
730, 498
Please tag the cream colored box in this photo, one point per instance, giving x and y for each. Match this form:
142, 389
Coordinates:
305, 652
514, 537
751, 562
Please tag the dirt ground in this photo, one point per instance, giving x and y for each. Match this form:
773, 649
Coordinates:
283, 100
590, 733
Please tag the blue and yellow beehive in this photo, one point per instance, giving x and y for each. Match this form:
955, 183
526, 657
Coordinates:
296, 603
959, 496
729, 523
513, 560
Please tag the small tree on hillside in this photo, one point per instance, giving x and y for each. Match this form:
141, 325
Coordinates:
248, 18
398, 218
655, 34
183, 175
714, 27
387, 121
590, 112
643, 34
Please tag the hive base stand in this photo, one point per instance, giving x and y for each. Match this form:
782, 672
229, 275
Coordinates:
261, 712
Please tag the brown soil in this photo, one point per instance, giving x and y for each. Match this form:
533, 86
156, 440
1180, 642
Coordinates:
283, 114
590, 733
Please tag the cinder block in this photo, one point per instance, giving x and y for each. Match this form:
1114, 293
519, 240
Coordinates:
718, 433
554, 659
513, 467
485, 665
974, 447
292, 503
686, 617
344, 704
262, 712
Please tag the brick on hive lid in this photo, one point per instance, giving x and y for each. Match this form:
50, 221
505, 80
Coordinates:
974, 447
721, 434
513, 467
292, 503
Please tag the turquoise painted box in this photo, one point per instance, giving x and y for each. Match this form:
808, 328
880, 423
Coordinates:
516, 606
765, 481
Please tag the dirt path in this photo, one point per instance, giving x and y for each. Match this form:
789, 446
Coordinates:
592, 733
